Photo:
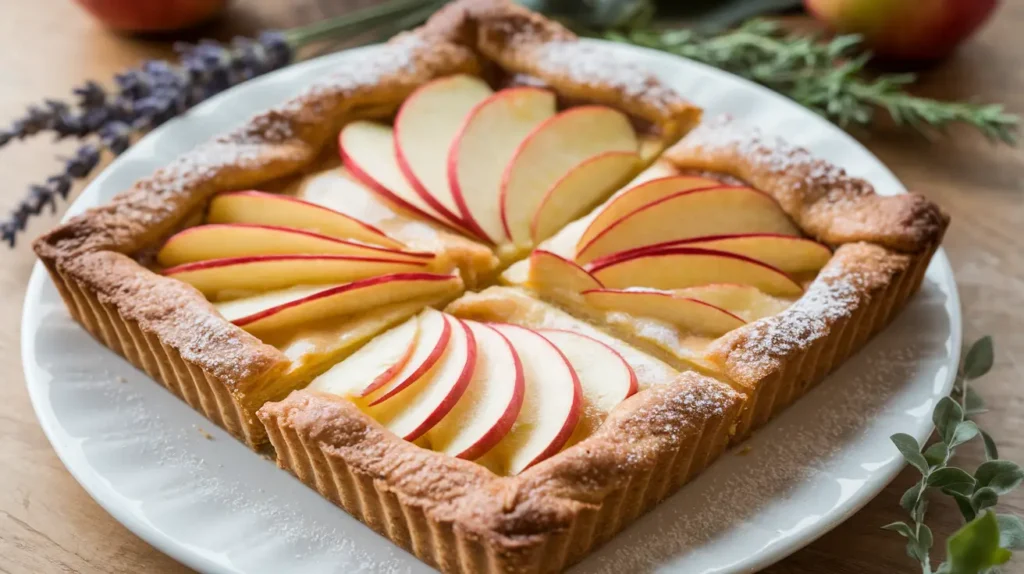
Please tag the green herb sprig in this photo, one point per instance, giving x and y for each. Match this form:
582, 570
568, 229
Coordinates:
828, 77
987, 538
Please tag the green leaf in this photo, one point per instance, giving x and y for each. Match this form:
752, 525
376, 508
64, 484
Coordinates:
963, 502
984, 498
951, 478
924, 539
936, 453
963, 432
1011, 531
975, 546
991, 452
900, 527
979, 358
910, 450
1001, 476
946, 416
909, 498
973, 403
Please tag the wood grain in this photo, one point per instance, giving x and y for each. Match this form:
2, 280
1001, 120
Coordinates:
49, 524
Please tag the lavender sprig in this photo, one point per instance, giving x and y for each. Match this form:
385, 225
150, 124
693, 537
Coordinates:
144, 98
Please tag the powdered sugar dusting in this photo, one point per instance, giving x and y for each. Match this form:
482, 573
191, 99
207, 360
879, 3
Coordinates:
594, 65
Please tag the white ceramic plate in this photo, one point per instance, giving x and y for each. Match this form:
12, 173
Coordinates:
217, 507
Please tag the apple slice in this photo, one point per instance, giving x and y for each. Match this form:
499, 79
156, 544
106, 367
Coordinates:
434, 334
490, 406
427, 400
368, 152
690, 214
372, 366
483, 148
639, 195
552, 149
223, 240
286, 211
552, 273
425, 127
551, 403
300, 305
268, 272
784, 252
688, 314
605, 377
680, 267
743, 301
578, 190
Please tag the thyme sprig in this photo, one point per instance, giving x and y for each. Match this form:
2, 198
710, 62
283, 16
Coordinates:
987, 538
828, 77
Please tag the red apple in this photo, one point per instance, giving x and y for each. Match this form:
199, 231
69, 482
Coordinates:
152, 15
905, 29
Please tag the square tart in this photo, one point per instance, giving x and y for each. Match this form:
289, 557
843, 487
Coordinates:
105, 262
693, 400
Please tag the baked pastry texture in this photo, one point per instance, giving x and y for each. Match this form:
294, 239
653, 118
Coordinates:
459, 515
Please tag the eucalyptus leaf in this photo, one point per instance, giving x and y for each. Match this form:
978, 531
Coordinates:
1011, 531
973, 403
963, 502
1001, 476
909, 498
983, 498
975, 546
910, 450
901, 527
946, 416
963, 432
924, 539
936, 453
991, 452
979, 358
951, 478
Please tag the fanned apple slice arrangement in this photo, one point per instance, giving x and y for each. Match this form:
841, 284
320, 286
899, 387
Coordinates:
688, 251
504, 395
274, 261
503, 167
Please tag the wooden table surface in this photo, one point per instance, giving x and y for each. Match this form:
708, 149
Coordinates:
49, 524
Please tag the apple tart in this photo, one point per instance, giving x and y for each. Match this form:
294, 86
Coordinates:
323, 279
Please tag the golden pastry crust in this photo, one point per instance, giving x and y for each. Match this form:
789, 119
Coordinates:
459, 517
824, 201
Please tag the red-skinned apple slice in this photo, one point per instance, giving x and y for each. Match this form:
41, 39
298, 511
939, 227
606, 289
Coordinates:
484, 146
690, 214
224, 240
372, 366
261, 208
785, 252
490, 406
427, 400
291, 307
552, 149
680, 267
639, 195
269, 272
605, 377
689, 314
744, 301
425, 127
368, 152
551, 403
551, 273
578, 190
432, 340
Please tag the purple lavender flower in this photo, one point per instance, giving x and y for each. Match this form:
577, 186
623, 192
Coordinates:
144, 98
